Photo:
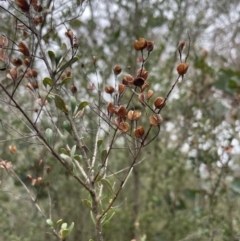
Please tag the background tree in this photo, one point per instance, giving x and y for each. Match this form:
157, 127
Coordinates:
187, 183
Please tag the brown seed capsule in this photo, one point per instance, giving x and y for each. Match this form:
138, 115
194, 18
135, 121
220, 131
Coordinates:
150, 46
121, 88
30, 86
16, 62
26, 62
48, 169
23, 5
23, 48
34, 73
155, 120
74, 89
40, 180
159, 103
69, 34
123, 126
109, 89
29, 177
128, 80
144, 86
134, 115
181, 46
149, 94
12, 149
140, 44
110, 108
117, 70
121, 112
139, 132
33, 182
139, 81
182, 68
142, 73
12, 74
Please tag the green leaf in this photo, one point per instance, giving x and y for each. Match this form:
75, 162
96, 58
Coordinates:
72, 152
92, 217
65, 81
64, 156
64, 233
51, 55
67, 126
69, 63
77, 157
49, 135
60, 104
58, 58
108, 218
103, 155
87, 203
64, 226
129, 174
232, 84
64, 151
82, 105
235, 185
59, 222
49, 222
107, 185
71, 227
99, 143
73, 104
47, 81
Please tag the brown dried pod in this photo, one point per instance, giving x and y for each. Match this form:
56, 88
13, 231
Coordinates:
69, 73
35, 85
182, 68
128, 80
40, 180
74, 89
141, 99
48, 169
13, 75
150, 46
181, 46
26, 62
109, 89
121, 88
117, 69
23, 48
144, 86
155, 120
23, 5
123, 126
139, 132
110, 108
34, 73
134, 115
69, 34
3, 41
38, 20
12, 149
16, 62
159, 102
149, 94
33, 182
139, 81
121, 112
30, 86
140, 44
37, 8
142, 73
29, 177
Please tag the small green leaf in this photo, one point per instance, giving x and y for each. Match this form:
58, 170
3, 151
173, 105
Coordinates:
47, 81
99, 143
64, 156
65, 81
64, 233
108, 218
58, 58
49, 222
87, 203
51, 55
64, 151
77, 157
232, 84
127, 177
49, 135
59, 222
107, 185
92, 217
82, 105
72, 152
69, 63
60, 104
104, 155
73, 104
64, 226
71, 227
67, 126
